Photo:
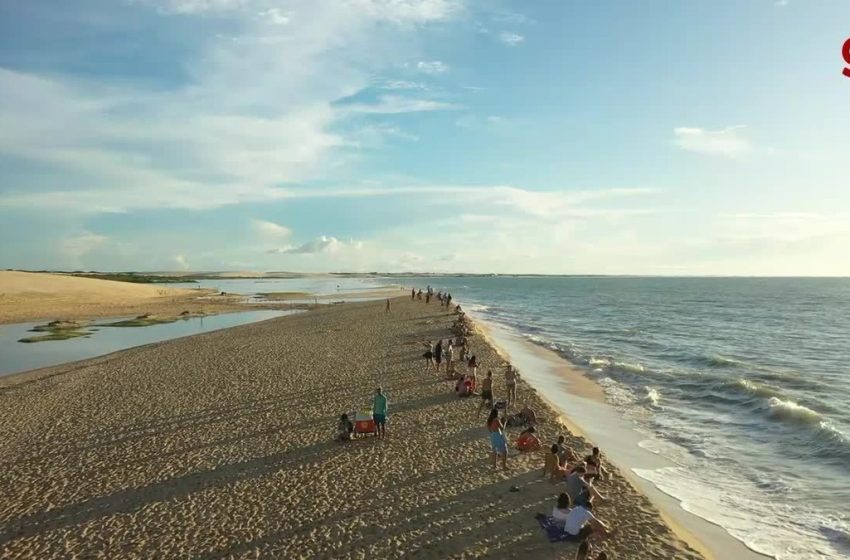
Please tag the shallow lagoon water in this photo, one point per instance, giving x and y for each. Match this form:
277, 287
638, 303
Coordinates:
17, 357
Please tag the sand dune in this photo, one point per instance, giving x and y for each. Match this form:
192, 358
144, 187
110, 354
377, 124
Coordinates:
220, 446
26, 296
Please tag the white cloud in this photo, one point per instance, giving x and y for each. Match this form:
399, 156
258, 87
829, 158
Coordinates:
781, 3
195, 6
781, 227
392, 104
403, 84
728, 142
82, 244
322, 244
276, 16
181, 262
511, 39
432, 67
271, 229
258, 109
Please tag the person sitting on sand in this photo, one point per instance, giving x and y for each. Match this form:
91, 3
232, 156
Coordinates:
345, 428
379, 412
593, 464
565, 454
486, 393
464, 387
529, 415
498, 441
562, 508
581, 523
528, 440
550, 462
584, 550
581, 491
552, 467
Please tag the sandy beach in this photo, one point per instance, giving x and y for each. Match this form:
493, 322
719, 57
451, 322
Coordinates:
33, 296
221, 446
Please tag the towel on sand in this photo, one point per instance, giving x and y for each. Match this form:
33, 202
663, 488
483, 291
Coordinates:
554, 529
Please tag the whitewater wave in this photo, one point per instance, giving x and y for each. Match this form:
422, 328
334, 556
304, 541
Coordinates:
632, 368
755, 389
789, 411
651, 397
765, 517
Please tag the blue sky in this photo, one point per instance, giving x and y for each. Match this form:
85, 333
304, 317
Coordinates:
663, 137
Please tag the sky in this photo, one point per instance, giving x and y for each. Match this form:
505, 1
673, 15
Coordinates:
670, 137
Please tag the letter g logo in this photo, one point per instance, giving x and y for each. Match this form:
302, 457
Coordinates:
845, 52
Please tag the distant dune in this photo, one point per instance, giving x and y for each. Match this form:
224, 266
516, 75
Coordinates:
26, 296
43, 284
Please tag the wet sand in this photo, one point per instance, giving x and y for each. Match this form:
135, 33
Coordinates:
220, 446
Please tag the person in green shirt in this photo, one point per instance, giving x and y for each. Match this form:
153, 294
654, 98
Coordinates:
379, 412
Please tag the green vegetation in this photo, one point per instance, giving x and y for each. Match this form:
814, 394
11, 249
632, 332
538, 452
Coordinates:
56, 335
58, 330
134, 277
142, 321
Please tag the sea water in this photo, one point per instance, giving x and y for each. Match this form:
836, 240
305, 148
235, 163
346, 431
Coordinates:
742, 383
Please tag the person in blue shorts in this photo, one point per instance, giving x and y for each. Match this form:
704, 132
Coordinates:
379, 412
498, 441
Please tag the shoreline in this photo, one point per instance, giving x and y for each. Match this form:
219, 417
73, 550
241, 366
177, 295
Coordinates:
200, 447
710, 539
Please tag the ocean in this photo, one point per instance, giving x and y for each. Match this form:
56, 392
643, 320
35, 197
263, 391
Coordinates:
743, 384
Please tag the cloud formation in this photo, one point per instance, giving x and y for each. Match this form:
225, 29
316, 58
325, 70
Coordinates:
271, 229
432, 67
728, 142
511, 39
321, 244
258, 108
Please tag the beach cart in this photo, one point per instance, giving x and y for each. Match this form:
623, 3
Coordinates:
363, 422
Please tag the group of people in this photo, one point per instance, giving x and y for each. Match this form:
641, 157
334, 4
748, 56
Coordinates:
575, 504
380, 415
580, 476
444, 298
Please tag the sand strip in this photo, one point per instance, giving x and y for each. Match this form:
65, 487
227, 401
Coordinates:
219, 446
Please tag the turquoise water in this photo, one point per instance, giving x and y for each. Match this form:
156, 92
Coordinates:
743, 383
16, 357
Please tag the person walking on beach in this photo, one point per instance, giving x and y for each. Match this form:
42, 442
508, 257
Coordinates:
449, 301
510, 383
413, 293
379, 412
428, 297
438, 354
388, 306
429, 355
486, 393
450, 356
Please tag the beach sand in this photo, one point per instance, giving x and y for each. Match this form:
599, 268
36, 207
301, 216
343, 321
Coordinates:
34, 296
220, 446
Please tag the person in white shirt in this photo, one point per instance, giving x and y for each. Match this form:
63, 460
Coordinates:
562, 510
581, 523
